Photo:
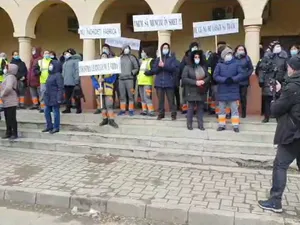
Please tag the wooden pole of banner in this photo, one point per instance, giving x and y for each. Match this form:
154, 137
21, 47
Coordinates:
216, 43
100, 77
100, 47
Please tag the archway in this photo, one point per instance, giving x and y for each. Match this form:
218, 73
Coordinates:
55, 26
280, 22
7, 41
203, 10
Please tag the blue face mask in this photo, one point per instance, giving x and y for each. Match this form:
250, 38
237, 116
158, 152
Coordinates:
294, 52
47, 56
165, 51
197, 61
52, 56
17, 57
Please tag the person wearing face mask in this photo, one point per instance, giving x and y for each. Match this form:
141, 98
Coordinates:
165, 68
53, 97
3, 63
129, 70
240, 54
33, 80
279, 58
21, 77
228, 74
294, 50
70, 73
42, 70
186, 60
195, 79
145, 82
53, 55
286, 110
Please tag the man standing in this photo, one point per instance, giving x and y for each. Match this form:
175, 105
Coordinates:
287, 112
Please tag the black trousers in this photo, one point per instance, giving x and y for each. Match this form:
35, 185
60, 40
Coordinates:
177, 97
161, 93
10, 114
116, 93
267, 106
69, 93
199, 114
243, 96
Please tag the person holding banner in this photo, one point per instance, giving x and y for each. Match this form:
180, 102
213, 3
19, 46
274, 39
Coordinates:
241, 55
165, 68
129, 69
195, 80
228, 74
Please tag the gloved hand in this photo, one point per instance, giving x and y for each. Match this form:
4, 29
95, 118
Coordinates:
229, 80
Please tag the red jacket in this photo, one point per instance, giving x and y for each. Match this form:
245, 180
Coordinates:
33, 80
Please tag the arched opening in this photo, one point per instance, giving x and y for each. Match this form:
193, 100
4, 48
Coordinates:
55, 26
119, 11
205, 10
280, 22
7, 41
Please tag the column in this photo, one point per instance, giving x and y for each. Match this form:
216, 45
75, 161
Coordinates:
252, 40
89, 52
164, 37
25, 49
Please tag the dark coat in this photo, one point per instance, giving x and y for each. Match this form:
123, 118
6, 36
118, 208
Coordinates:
22, 71
165, 76
224, 70
246, 65
212, 62
287, 111
54, 86
280, 60
33, 79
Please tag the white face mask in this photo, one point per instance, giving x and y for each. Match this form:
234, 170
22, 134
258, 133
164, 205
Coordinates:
126, 51
5, 71
228, 57
277, 49
33, 52
143, 55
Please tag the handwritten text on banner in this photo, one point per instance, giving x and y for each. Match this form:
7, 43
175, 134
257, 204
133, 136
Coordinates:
100, 67
142, 23
214, 28
120, 42
100, 31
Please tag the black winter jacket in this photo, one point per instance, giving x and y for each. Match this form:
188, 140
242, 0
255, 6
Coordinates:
22, 71
287, 111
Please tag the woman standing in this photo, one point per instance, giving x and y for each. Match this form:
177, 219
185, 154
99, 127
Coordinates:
10, 100
240, 54
195, 79
53, 97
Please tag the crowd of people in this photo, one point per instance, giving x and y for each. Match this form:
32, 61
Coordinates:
213, 81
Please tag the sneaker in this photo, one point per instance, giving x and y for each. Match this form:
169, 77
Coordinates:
113, 123
173, 117
46, 130
201, 127
131, 113
221, 129
160, 117
104, 122
265, 120
270, 206
144, 113
151, 114
236, 130
98, 111
34, 107
121, 113
66, 111
54, 131
14, 137
41, 111
189, 126
78, 111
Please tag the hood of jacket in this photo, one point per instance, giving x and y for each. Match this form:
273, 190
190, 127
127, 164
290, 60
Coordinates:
12, 69
200, 53
161, 48
75, 57
57, 67
193, 44
295, 79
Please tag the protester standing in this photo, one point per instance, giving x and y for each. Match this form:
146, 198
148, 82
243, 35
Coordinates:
195, 80
10, 100
3, 63
287, 112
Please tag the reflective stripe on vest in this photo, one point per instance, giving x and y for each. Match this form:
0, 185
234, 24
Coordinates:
142, 78
44, 68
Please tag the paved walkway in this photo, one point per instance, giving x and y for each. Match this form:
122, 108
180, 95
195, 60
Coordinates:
224, 189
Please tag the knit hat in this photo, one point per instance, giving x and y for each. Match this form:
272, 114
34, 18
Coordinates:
225, 52
294, 62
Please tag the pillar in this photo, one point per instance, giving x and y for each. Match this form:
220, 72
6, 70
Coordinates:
252, 40
164, 37
25, 49
89, 52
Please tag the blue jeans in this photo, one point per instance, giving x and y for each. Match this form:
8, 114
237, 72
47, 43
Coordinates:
56, 112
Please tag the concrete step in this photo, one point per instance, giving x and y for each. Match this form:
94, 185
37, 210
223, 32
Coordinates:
234, 147
165, 154
160, 131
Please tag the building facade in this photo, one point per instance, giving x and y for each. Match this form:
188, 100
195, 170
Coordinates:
52, 25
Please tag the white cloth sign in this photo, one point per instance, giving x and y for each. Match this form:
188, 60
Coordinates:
216, 27
100, 31
100, 67
120, 42
142, 23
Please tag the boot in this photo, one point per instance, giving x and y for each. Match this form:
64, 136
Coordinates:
160, 116
265, 120
104, 122
236, 130
66, 111
78, 111
34, 107
173, 116
189, 125
98, 111
200, 126
221, 129
112, 123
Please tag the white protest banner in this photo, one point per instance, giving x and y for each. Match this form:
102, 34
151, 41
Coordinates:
216, 27
120, 42
142, 23
100, 67
100, 31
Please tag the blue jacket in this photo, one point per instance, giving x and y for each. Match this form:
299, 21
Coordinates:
224, 70
54, 86
165, 76
246, 65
